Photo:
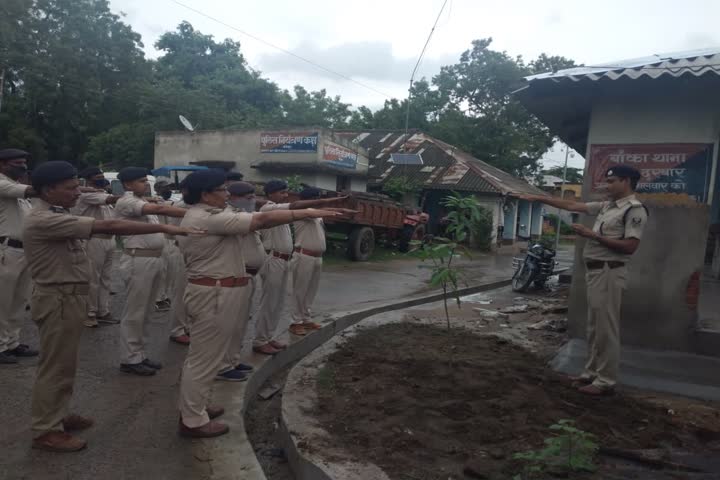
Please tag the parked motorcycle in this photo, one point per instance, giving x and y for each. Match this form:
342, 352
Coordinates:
537, 266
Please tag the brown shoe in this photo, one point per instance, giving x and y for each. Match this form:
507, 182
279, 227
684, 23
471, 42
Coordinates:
209, 430
596, 391
266, 349
76, 422
91, 322
580, 381
181, 339
58, 442
214, 412
311, 326
277, 345
298, 329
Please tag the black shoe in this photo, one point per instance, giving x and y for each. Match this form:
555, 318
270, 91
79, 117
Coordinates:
244, 368
137, 369
162, 305
7, 359
23, 350
152, 364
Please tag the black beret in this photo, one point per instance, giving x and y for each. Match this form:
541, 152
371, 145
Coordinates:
310, 192
50, 173
128, 174
90, 172
275, 186
13, 153
241, 188
234, 176
204, 180
622, 171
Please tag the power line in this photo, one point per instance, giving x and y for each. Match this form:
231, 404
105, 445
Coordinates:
422, 54
258, 39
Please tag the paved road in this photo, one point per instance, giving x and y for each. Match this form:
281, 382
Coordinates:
136, 418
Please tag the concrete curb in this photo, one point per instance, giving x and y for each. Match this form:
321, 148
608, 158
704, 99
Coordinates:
231, 457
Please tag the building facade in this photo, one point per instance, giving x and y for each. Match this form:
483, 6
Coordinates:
660, 114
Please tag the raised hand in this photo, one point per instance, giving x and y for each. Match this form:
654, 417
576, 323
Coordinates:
523, 196
583, 231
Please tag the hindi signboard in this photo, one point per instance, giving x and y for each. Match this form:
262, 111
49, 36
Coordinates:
339, 156
288, 142
670, 172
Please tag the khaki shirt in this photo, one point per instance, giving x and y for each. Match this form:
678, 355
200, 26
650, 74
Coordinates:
609, 223
129, 207
310, 234
93, 204
252, 249
216, 254
278, 239
13, 207
54, 245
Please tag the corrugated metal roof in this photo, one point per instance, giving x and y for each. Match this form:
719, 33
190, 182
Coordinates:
444, 166
675, 64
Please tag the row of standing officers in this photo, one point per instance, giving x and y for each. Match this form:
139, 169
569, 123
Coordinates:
209, 251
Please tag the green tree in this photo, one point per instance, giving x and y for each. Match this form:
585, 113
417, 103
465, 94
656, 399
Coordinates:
574, 175
303, 108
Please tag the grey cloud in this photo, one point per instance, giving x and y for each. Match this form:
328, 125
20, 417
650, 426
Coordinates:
700, 40
369, 60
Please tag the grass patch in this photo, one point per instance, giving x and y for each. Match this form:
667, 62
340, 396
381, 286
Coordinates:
326, 377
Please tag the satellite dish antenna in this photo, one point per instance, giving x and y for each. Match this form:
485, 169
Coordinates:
186, 123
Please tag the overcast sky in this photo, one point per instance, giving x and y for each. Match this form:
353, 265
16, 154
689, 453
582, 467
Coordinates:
377, 42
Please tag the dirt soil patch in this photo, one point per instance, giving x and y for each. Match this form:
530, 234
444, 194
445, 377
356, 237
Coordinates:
423, 403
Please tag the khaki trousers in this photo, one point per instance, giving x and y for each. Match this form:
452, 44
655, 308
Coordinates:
100, 252
213, 318
59, 313
142, 277
272, 299
604, 294
177, 277
232, 357
306, 272
15, 283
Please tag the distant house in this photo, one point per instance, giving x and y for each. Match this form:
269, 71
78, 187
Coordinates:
569, 191
438, 169
316, 155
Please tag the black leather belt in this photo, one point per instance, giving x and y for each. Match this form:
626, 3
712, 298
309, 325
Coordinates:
11, 242
600, 264
252, 271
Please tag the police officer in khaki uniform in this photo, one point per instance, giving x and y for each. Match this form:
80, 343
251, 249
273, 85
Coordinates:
217, 290
242, 199
611, 242
278, 243
61, 271
14, 274
100, 247
306, 264
141, 266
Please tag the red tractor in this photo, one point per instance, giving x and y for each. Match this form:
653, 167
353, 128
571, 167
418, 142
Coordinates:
378, 218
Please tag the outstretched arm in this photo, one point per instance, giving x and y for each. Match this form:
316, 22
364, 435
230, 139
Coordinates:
316, 203
263, 220
167, 210
125, 227
568, 205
